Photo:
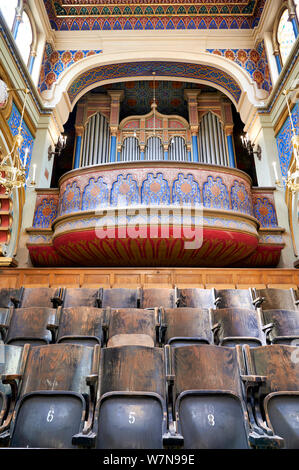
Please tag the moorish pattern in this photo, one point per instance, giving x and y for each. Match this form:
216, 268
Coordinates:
159, 14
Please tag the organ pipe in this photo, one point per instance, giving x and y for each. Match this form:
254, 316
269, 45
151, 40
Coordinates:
212, 145
95, 147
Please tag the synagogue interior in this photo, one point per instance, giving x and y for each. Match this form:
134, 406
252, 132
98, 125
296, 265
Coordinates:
149, 224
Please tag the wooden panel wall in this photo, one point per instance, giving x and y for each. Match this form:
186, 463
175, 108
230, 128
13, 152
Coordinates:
160, 277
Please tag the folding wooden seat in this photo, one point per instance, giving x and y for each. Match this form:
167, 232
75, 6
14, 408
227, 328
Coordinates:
232, 326
183, 326
56, 397
41, 297
159, 297
133, 326
271, 299
119, 298
209, 400
81, 297
9, 297
131, 408
79, 325
12, 363
230, 298
29, 325
196, 298
281, 326
277, 401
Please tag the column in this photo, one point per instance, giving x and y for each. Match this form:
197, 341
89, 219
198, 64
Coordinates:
142, 152
230, 146
262, 133
116, 97
78, 145
191, 97
195, 144
165, 151
293, 17
278, 60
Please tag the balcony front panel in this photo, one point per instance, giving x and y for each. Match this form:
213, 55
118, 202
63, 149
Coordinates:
148, 213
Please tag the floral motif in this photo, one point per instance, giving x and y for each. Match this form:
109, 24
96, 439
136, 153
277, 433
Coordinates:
124, 191
264, 211
95, 194
70, 201
240, 199
45, 213
185, 190
155, 190
215, 194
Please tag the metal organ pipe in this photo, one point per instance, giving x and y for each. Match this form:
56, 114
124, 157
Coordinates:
130, 150
177, 149
212, 141
96, 138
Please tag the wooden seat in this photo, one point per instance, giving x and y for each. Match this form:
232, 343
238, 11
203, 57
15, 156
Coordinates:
132, 327
207, 399
9, 297
55, 401
80, 325
271, 299
234, 326
196, 298
12, 363
41, 297
234, 298
120, 298
29, 325
159, 297
81, 297
185, 325
278, 398
281, 326
131, 406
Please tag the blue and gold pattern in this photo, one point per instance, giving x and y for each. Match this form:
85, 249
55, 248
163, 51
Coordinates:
185, 190
95, 194
14, 122
215, 194
155, 190
70, 201
283, 140
264, 212
206, 73
124, 191
45, 213
240, 199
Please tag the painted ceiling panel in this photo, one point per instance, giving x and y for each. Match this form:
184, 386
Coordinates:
71, 15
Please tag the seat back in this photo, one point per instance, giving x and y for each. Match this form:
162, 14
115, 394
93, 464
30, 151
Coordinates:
277, 298
279, 394
285, 325
234, 326
234, 298
29, 325
158, 297
120, 298
132, 326
38, 297
6, 296
185, 325
196, 298
81, 297
81, 325
207, 395
55, 397
131, 409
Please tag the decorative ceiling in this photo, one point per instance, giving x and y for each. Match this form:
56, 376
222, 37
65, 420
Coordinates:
138, 96
72, 15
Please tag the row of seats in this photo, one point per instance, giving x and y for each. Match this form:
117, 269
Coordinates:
268, 299
127, 326
138, 397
